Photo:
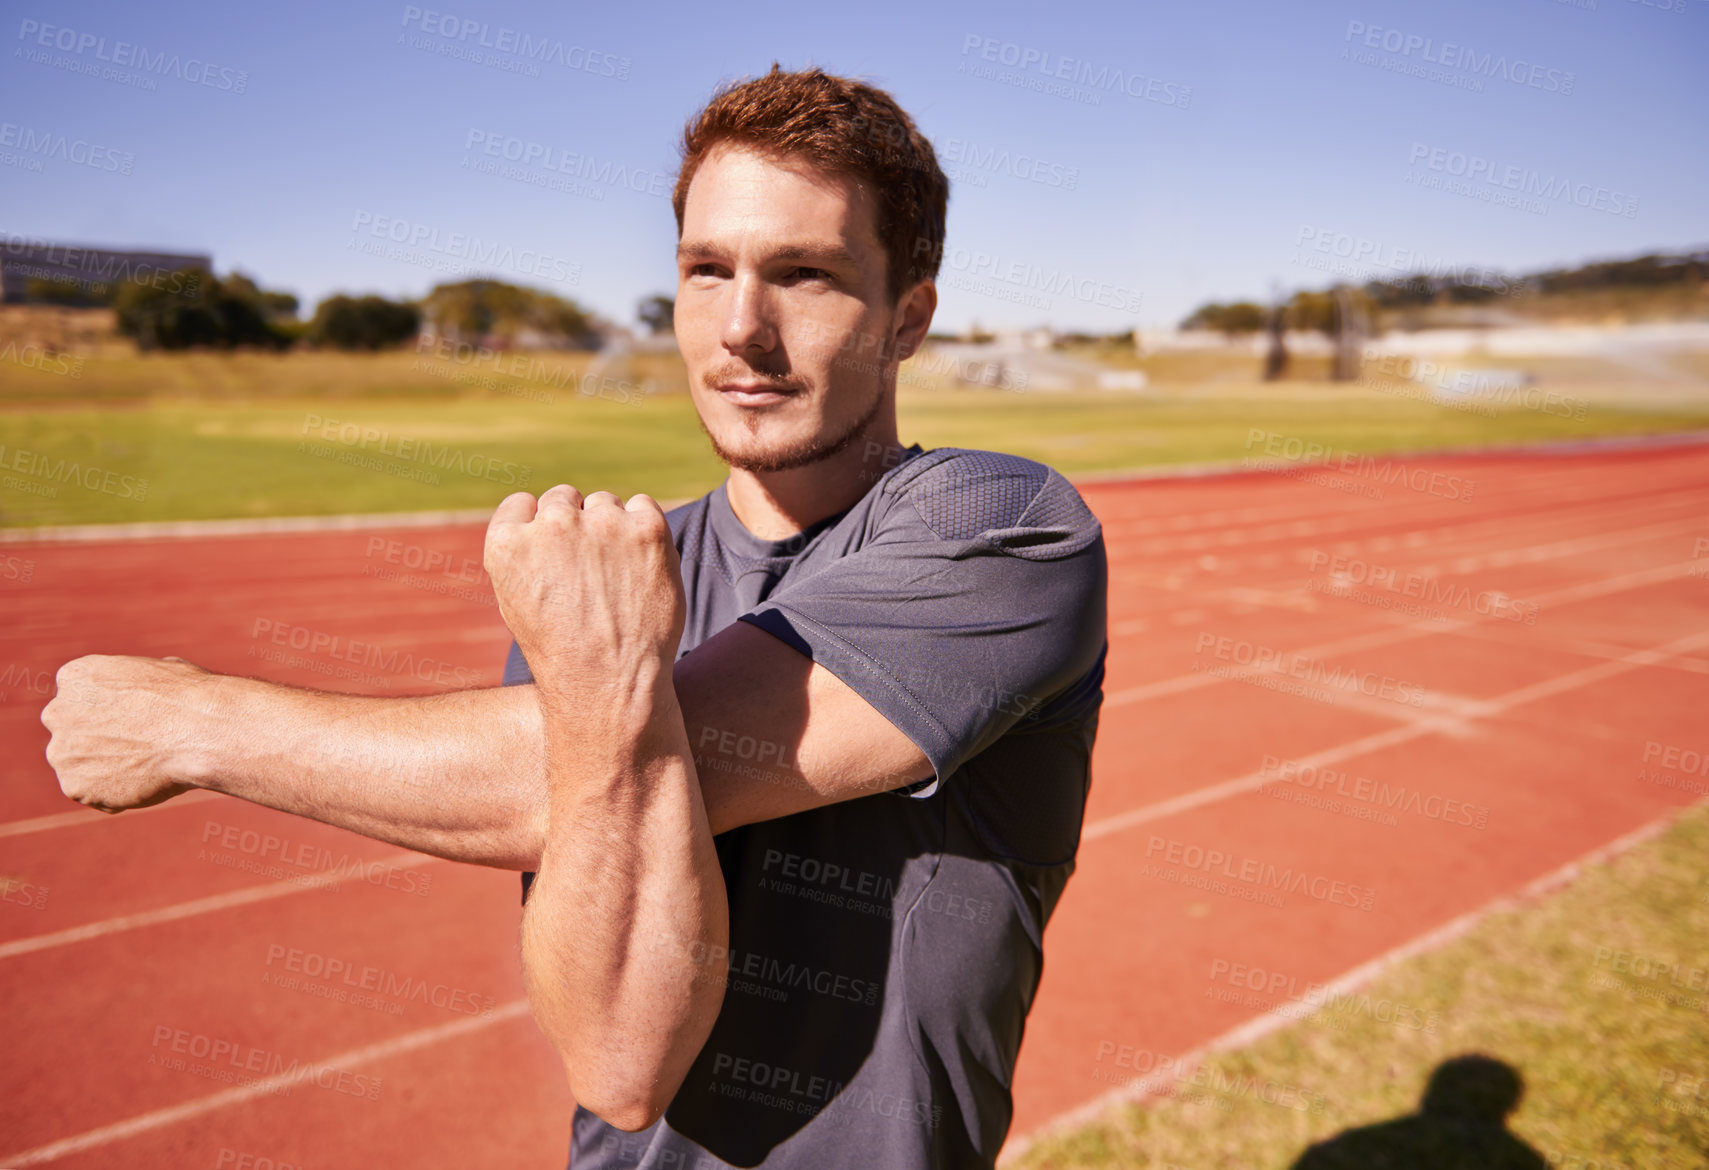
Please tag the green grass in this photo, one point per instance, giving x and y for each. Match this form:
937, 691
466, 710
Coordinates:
221, 436
1601, 1065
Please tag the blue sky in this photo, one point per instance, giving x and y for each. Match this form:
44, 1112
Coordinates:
1112, 165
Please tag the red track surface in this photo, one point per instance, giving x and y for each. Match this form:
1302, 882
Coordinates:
1542, 725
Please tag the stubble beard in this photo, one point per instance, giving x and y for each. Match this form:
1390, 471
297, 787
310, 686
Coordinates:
801, 453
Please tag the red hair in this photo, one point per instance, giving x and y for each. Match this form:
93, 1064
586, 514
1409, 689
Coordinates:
844, 127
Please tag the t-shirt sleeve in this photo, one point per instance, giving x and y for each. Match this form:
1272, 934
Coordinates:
979, 598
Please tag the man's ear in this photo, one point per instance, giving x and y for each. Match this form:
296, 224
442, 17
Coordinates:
914, 319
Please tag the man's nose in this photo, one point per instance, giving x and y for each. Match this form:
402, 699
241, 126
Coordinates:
748, 322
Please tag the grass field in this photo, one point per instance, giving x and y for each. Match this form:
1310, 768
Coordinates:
1570, 993
204, 436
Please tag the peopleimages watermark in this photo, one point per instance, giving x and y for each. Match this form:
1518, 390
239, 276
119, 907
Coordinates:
1355, 578
843, 887
1194, 864
1672, 766
1178, 1077
234, 1063
520, 374
283, 859
870, 354
541, 163
1022, 282
35, 474
1363, 798
503, 48
1683, 1090
1661, 979
1700, 558
1460, 66
15, 568
1294, 673
360, 441
441, 572
230, 1159
336, 648
96, 271
453, 252
1308, 460
1358, 258
34, 146
795, 1091
1249, 985
16, 891
121, 61
1477, 177
31, 679
347, 981
1056, 75
31, 356
973, 164
1482, 392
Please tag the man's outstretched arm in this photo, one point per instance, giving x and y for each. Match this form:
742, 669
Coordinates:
460, 775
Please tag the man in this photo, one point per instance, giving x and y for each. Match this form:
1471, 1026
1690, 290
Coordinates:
799, 767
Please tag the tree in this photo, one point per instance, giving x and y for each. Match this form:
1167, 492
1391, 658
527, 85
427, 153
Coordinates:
193, 308
1231, 319
658, 314
369, 323
506, 313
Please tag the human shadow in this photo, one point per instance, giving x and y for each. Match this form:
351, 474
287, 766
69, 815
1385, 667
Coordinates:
1461, 1124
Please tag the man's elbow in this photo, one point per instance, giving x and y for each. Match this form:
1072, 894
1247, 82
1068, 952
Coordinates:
630, 1109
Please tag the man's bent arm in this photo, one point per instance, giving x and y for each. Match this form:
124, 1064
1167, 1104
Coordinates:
627, 923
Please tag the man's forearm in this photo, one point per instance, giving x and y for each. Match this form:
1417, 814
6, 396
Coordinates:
627, 924
459, 775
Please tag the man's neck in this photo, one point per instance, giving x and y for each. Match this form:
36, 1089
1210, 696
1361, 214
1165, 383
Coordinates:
774, 505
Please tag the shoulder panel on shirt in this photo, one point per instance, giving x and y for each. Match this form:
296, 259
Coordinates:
1023, 508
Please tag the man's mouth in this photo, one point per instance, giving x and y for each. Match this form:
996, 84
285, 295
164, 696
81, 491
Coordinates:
755, 393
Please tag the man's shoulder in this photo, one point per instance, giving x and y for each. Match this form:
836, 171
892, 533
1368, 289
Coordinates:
962, 494
687, 514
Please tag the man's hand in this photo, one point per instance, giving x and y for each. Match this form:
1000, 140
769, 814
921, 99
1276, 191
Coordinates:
122, 729
592, 590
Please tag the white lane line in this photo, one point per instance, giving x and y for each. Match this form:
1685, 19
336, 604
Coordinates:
91, 817
119, 1131
1403, 633
1339, 523
244, 897
1345, 984
1486, 709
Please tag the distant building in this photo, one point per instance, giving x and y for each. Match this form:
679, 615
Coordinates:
35, 270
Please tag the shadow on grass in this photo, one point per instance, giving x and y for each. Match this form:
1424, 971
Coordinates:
1461, 1124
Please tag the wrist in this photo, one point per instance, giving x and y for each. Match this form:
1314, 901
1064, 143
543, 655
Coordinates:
620, 706
204, 707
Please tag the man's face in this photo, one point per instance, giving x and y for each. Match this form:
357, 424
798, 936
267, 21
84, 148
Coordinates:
781, 310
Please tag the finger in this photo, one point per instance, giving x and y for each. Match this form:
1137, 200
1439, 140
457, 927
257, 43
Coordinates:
601, 500
562, 498
642, 502
516, 508
513, 511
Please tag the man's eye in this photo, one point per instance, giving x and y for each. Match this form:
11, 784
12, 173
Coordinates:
703, 270
811, 274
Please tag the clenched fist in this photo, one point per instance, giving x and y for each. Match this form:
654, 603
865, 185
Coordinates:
121, 729
592, 591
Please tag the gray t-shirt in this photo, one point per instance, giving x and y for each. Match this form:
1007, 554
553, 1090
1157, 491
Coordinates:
884, 951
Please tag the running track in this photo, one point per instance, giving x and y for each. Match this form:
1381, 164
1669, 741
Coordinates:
122, 938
